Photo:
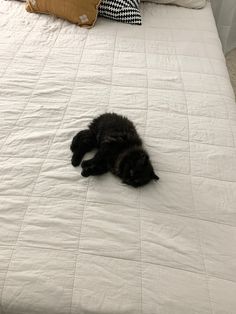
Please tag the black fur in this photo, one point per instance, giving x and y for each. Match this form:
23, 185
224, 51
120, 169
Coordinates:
119, 150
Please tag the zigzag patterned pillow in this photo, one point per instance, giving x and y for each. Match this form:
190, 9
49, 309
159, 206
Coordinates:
126, 11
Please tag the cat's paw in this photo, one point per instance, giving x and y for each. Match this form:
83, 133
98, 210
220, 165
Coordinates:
88, 168
86, 172
86, 164
75, 160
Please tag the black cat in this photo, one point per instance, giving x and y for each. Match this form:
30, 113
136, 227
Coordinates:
119, 150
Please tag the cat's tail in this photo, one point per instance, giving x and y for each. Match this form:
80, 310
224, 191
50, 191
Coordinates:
82, 143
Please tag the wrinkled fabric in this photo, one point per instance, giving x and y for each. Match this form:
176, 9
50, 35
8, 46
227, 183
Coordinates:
75, 245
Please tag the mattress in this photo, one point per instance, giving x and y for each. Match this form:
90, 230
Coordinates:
70, 245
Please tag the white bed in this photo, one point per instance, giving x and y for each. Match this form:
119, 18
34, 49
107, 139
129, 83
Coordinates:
70, 245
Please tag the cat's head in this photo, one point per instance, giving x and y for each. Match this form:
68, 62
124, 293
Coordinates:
135, 168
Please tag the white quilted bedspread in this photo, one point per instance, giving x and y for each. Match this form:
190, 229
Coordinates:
70, 245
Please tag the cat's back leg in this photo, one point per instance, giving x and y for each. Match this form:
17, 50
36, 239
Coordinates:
95, 166
82, 143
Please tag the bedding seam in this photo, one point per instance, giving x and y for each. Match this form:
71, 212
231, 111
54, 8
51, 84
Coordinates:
206, 276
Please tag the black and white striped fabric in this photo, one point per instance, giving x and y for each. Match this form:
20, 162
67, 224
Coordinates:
126, 11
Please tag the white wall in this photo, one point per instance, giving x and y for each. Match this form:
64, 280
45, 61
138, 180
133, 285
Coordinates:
225, 15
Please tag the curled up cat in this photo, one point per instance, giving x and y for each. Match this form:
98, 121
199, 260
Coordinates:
119, 150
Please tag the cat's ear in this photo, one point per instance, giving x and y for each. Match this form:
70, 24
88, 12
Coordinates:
155, 177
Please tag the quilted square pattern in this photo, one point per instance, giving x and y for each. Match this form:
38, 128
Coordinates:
117, 279
173, 289
53, 280
171, 241
72, 245
95, 229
